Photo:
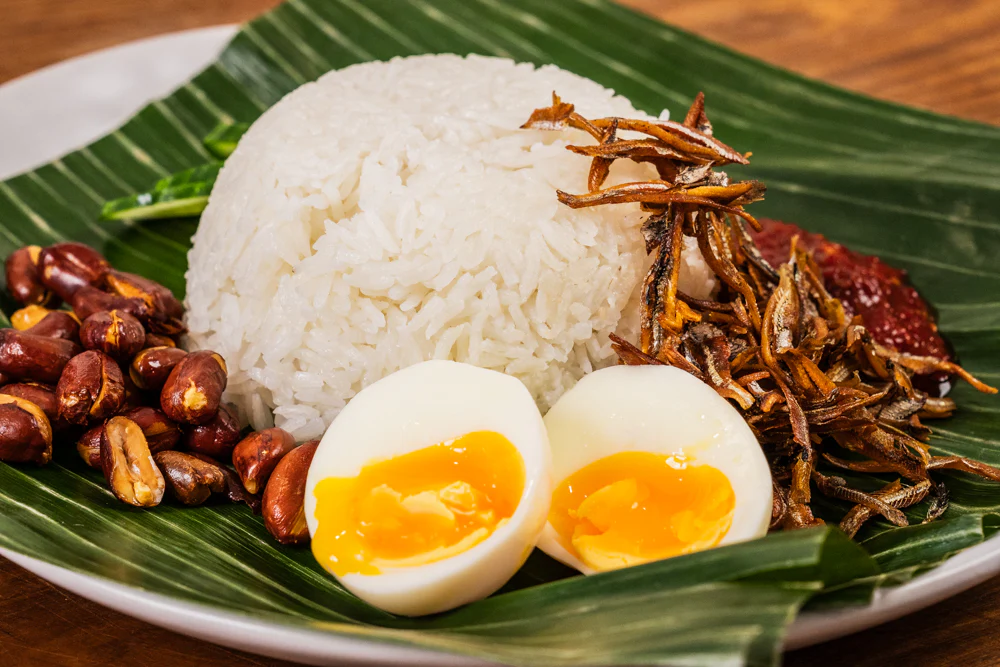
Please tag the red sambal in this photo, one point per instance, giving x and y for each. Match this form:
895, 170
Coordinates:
891, 308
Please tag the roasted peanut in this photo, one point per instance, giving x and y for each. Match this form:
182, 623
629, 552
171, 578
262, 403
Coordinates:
66, 267
257, 454
158, 340
23, 280
134, 397
164, 309
27, 317
234, 487
88, 300
151, 367
115, 333
25, 432
41, 395
89, 446
284, 498
193, 389
237, 494
161, 433
190, 480
217, 437
91, 388
57, 324
25, 356
128, 466
172, 326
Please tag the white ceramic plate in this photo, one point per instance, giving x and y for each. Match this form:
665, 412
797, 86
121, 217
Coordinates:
62, 107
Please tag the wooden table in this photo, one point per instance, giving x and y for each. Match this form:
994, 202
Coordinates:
942, 55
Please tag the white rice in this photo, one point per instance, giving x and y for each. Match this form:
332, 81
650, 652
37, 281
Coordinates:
393, 212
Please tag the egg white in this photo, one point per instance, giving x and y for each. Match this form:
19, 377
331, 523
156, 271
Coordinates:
663, 410
420, 406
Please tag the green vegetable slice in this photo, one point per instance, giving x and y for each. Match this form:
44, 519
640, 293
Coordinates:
184, 194
222, 141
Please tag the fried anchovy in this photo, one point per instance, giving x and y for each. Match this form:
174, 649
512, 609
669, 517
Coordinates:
559, 116
696, 117
965, 465
895, 495
710, 348
628, 149
836, 487
939, 502
779, 505
630, 354
600, 167
663, 311
770, 338
686, 140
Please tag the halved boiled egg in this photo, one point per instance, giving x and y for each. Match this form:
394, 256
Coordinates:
430, 488
649, 462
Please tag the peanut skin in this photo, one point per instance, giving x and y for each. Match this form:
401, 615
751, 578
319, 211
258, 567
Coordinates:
25, 356
284, 498
44, 396
256, 456
57, 324
215, 438
134, 397
23, 280
152, 366
159, 340
87, 300
234, 487
193, 390
189, 479
89, 447
66, 267
165, 311
161, 432
91, 388
115, 333
25, 432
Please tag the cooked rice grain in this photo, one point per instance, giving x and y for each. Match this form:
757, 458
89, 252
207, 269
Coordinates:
393, 212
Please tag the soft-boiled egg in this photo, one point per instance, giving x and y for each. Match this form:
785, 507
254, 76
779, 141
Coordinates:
430, 488
649, 462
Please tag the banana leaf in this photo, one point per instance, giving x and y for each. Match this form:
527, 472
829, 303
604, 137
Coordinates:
920, 190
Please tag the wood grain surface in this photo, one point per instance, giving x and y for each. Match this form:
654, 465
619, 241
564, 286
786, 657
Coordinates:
942, 55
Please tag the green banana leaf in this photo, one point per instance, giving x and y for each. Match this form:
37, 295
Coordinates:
920, 190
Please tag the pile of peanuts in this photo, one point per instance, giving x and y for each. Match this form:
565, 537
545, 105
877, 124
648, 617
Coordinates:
108, 374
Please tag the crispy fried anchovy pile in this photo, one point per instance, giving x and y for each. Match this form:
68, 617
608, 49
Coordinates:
773, 341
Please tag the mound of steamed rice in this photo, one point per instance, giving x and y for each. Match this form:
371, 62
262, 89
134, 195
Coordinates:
393, 212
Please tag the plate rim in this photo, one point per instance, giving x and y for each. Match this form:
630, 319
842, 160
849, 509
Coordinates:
26, 87
962, 571
308, 646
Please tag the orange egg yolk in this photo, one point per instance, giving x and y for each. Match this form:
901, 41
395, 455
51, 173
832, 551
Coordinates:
418, 508
635, 507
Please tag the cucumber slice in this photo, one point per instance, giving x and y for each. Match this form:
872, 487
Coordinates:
182, 195
221, 142
206, 173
